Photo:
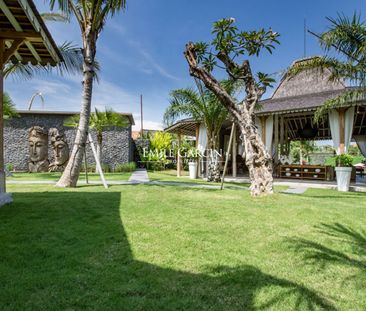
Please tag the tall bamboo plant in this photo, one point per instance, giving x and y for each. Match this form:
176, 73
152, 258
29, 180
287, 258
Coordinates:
91, 16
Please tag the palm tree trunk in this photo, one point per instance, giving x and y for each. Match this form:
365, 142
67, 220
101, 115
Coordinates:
71, 173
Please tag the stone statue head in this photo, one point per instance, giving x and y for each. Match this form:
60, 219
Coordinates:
60, 147
38, 144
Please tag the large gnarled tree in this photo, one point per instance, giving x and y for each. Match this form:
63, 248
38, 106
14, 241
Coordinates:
229, 50
91, 16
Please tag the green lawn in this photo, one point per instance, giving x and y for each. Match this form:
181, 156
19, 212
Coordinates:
171, 176
56, 176
155, 247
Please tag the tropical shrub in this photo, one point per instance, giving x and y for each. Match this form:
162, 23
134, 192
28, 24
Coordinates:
344, 160
125, 167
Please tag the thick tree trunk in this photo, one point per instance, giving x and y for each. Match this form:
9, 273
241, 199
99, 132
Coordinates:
258, 160
71, 173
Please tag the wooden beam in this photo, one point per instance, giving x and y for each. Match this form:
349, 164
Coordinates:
282, 134
198, 160
2, 167
276, 138
25, 35
263, 125
12, 50
341, 112
179, 159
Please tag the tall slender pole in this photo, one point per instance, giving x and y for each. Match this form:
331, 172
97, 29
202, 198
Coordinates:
227, 155
2, 171
304, 37
142, 117
99, 167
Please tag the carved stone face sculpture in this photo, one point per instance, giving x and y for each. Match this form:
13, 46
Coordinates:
60, 150
38, 149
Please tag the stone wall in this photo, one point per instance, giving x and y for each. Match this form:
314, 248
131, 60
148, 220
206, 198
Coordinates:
117, 143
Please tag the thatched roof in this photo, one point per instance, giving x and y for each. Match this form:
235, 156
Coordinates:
306, 102
305, 91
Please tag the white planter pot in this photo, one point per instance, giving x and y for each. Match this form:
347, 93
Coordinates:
192, 170
343, 178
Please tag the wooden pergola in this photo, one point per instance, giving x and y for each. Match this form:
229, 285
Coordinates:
24, 39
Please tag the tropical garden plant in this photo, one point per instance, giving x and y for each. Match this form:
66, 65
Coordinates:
156, 156
91, 16
203, 107
100, 121
344, 44
9, 107
230, 50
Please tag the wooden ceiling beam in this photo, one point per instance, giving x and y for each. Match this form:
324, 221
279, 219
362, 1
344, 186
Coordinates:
10, 51
24, 35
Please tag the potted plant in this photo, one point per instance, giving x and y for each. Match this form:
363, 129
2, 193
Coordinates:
343, 171
192, 156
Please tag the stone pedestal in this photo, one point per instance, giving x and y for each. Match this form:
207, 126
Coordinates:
5, 198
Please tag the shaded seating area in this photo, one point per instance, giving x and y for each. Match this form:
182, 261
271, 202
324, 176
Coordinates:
288, 115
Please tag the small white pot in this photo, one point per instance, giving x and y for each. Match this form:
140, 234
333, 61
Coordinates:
192, 170
343, 178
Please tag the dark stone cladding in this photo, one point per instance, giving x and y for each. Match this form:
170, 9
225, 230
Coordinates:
117, 142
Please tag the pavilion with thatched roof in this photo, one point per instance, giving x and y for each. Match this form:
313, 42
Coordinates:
288, 116
24, 39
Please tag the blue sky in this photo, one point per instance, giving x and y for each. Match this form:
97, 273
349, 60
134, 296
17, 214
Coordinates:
141, 50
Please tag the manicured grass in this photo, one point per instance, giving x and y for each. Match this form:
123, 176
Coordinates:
56, 176
171, 176
152, 247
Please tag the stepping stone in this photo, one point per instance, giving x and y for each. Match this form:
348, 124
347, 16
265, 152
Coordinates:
139, 176
295, 190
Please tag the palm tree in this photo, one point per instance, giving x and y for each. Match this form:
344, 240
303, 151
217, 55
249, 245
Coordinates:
9, 107
91, 17
347, 38
99, 121
203, 107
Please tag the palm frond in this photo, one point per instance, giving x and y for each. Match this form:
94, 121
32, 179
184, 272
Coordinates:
9, 107
352, 96
55, 17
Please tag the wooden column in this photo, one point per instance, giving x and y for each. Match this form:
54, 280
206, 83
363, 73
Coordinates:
282, 135
276, 138
199, 159
263, 125
234, 152
2, 171
179, 159
341, 113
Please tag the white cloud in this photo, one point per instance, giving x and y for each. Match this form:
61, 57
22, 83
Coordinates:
148, 124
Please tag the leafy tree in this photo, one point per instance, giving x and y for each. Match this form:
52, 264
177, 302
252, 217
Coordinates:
99, 121
91, 17
344, 44
203, 107
230, 50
